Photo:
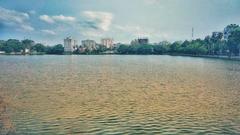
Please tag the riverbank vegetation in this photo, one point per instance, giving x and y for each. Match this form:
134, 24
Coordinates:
219, 43
14, 46
225, 43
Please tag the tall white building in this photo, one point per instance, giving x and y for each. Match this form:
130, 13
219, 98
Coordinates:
108, 42
69, 44
89, 44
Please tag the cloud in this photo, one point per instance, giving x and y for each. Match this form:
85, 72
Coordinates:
98, 20
64, 18
134, 30
14, 19
89, 24
50, 32
46, 19
138, 31
32, 12
27, 27
151, 1
57, 18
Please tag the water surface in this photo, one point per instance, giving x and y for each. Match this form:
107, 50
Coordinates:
121, 94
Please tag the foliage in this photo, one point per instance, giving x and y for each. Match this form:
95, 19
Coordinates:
218, 43
123, 49
234, 42
27, 43
57, 49
38, 48
12, 45
196, 49
160, 49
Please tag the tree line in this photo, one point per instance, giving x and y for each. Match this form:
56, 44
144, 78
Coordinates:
219, 43
21, 47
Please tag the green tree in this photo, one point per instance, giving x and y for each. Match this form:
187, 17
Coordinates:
164, 43
160, 49
123, 49
233, 42
208, 43
229, 29
216, 39
12, 45
28, 44
145, 49
185, 43
2, 42
196, 48
39, 47
175, 47
133, 49
57, 49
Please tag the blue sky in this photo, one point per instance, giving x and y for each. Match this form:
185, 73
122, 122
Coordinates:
50, 21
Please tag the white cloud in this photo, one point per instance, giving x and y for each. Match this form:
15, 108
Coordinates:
32, 12
64, 18
92, 34
102, 20
57, 18
136, 31
50, 32
46, 18
18, 20
27, 27
151, 1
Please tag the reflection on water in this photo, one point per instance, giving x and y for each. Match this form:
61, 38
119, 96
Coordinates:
121, 94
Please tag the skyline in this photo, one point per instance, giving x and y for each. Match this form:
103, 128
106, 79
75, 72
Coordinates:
50, 22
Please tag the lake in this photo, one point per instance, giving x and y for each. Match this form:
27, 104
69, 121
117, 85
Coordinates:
121, 94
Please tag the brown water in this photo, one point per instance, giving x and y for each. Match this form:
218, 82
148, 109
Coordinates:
121, 94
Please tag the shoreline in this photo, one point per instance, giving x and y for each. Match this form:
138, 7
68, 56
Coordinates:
224, 57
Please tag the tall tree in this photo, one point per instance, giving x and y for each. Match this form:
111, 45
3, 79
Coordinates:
12, 45
39, 47
57, 49
216, 39
234, 42
27, 43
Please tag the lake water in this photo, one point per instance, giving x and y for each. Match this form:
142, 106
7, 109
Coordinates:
121, 94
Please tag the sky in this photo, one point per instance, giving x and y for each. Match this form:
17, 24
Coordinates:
50, 21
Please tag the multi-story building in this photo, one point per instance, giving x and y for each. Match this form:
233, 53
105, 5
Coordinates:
69, 44
140, 41
108, 42
89, 44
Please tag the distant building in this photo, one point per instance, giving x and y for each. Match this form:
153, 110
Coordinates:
89, 44
140, 41
81, 49
228, 30
108, 42
27, 50
69, 44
